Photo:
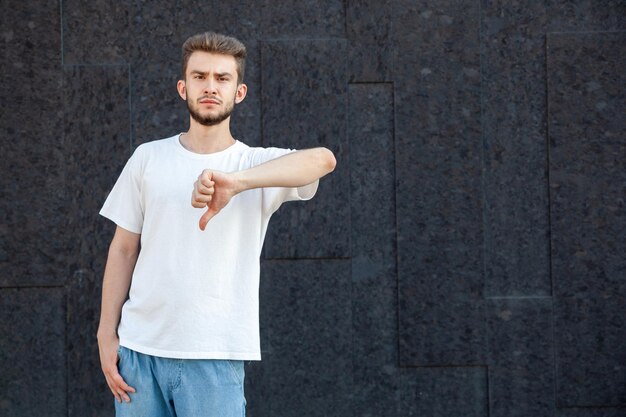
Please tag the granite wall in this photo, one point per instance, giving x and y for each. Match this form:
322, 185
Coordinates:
465, 259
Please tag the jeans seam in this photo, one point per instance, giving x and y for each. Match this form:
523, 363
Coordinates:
234, 372
175, 386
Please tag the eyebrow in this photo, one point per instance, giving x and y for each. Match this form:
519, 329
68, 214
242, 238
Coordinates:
219, 74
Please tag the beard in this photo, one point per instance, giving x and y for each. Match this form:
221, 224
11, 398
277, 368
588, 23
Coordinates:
210, 120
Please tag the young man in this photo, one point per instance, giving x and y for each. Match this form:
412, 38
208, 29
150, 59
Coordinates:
176, 346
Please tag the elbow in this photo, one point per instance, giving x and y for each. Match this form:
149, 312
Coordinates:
327, 159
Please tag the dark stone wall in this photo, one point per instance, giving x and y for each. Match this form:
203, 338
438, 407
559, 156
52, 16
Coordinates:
467, 257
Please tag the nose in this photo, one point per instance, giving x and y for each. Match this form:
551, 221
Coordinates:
210, 86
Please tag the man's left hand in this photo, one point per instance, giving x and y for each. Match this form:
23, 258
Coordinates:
212, 190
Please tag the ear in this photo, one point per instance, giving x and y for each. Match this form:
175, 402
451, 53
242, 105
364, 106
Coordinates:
242, 90
182, 89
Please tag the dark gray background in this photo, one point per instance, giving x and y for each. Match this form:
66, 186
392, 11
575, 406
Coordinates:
465, 259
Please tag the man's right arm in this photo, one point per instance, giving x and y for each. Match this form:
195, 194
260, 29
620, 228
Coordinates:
118, 272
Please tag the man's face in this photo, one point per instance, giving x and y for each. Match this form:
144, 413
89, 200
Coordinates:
210, 87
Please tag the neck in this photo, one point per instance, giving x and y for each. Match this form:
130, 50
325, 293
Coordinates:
207, 139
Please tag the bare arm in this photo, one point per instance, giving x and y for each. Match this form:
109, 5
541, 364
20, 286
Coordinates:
214, 189
292, 170
123, 254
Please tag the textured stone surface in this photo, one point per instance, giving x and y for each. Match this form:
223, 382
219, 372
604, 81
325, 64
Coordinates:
585, 16
590, 351
96, 32
240, 20
31, 172
587, 163
32, 352
438, 195
444, 392
591, 412
440, 332
304, 105
99, 144
368, 29
514, 130
374, 286
514, 134
588, 185
154, 31
521, 381
504, 183
157, 109
307, 362
301, 19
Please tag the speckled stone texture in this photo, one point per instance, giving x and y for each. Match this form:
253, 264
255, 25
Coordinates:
590, 351
157, 109
464, 259
514, 130
443, 392
32, 198
368, 29
438, 184
307, 360
374, 286
588, 187
590, 412
32, 352
294, 19
304, 105
521, 360
96, 31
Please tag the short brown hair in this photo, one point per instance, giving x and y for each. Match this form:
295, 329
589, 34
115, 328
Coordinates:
218, 44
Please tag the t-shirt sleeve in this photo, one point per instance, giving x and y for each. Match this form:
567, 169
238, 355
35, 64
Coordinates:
123, 206
273, 197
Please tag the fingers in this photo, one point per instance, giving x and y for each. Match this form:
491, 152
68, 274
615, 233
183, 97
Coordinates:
123, 388
109, 358
119, 387
203, 188
206, 178
113, 389
202, 193
199, 200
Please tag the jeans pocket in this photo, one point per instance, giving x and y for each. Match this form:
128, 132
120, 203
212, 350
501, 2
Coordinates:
119, 355
236, 369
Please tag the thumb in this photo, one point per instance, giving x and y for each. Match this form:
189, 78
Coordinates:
208, 215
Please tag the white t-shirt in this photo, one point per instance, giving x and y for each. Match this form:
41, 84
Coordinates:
194, 294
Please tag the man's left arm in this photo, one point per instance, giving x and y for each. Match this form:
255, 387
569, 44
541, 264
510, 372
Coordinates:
214, 189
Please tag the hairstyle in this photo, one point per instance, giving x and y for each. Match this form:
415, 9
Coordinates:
218, 44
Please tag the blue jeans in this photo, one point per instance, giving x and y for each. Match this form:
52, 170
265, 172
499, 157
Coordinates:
180, 387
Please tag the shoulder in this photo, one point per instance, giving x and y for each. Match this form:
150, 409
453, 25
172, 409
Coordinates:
153, 148
156, 145
150, 151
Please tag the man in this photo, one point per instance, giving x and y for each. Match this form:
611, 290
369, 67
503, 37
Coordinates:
176, 346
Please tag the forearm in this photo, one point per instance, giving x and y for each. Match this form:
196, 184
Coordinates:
292, 170
115, 286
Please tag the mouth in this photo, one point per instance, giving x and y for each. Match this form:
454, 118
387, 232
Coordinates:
206, 100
